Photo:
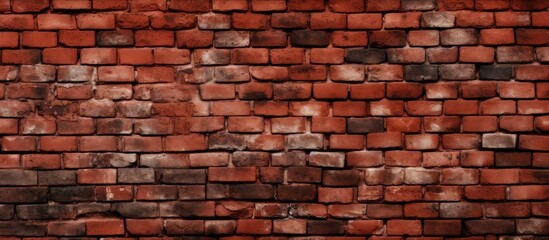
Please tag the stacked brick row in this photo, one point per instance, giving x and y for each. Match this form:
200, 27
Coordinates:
274, 119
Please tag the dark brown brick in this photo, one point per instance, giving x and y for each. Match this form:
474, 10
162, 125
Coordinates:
305, 38
23, 194
365, 125
295, 193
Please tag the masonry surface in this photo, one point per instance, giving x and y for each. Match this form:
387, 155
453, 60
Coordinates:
274, 119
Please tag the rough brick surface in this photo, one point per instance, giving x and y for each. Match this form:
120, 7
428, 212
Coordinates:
274, 119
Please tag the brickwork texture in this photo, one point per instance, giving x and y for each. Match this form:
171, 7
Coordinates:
274, 119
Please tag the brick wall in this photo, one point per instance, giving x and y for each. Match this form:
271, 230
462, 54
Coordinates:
302, 119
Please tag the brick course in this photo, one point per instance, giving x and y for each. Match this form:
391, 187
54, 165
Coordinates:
274, 119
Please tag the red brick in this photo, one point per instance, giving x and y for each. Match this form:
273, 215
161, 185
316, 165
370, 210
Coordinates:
21, 6
271, 108
17, 22
239, 174
98, 143
495, 106
55, 21
290, 226
442, 55
60, 228
231, 108
384, 140
335, 195
421, 210
384, 210
140, 56
173, 21
59, 56
480, 124
423, 38
500, 36
492, 5
255, 91
183, 143
328, 21
365, 227
476, 55
533, 142
254, 226
287, 56
451, 5
96, 176
289, 20
142, 144
41, 161
21, 56
346, 6
148, 5
531, 36
307, 5
349, 109
266, 5
349, 39
154, 38
71, 5
382, 6
36, 73
27, 90
475, 19
76, 38
402, 158
95, 21
245, 124
250, 56
9, 40
8, 126
364, 21
189, 6
421, 141
250, 21
116, 74
231, 5
104, 226
402, 20
512, 19
109, 5
98, 56
368, 91
132, 21
533, 5
404, 227
309, 109
387, 108
330, 91
499, 176
58, 143
346, 142
484, 192
542, 123
442, 227
38, 125
528, 192
507, 210
389, 38
532, 73
423, 108
171, 56
403, 193
144, 227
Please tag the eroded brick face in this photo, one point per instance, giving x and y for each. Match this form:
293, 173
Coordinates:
274, 119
